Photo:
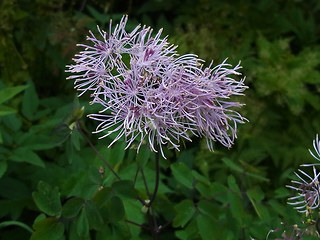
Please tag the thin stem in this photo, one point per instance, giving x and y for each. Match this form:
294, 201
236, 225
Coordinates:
157, 168
151, 215
142, 201
102, 158
166, 225
137, 224
136, 176
152, 226
96, 151
155, 223
145, 182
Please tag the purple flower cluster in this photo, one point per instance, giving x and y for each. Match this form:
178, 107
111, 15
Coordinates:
150, 94
308, 191
308, 186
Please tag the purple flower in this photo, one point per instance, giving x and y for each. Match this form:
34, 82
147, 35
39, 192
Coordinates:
151, 95
308, 191
308, 187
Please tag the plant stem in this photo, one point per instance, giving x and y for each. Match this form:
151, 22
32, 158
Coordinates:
145, 182
102, 158
157, 168
150, 213
96, 151
136, 176
152, 225
137, 224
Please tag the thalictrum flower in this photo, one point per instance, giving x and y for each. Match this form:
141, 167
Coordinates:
308, 191
151, 95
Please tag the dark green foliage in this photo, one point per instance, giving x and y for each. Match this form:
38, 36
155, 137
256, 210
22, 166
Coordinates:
54, 186
184, 212
47, 228
47, 199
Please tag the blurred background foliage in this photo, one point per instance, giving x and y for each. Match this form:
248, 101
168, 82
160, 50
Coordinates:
53, 186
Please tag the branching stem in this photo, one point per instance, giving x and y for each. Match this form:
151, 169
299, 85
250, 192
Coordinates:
96, 151
157, 169
151, 215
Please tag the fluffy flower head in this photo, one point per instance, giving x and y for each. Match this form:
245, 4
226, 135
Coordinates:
308, 188
150, 94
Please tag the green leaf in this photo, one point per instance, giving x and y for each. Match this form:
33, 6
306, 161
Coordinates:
60, 133
236, 207
281, 193
257, 176
113, 210
117, 154
104, 234
30, 102
75, 139
97, 15
191, 231
35, 140
3, 167
102, 196
133, 211
73, 186
256, 194
72, 207
12, 122
143, 155
10, 92
184, 212
4, 110
280, 208
208, 229
23, 154
82, 224
75, 114
72, 232
233, 185
70, 151
232, 165
39, 218
219, 192
260, 209
48, 229
182, 174
209, 208
94, 217
204, 189
235, 200
124, 188
202, 184
201, 178
47, 199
